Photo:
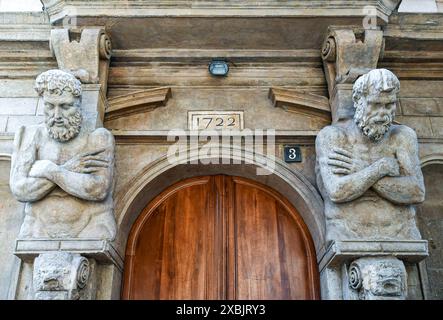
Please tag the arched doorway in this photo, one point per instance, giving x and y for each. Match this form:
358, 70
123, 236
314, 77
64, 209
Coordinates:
220, 237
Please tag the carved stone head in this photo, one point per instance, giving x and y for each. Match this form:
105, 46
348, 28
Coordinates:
378, 278
61, 93
60, 276
375, 101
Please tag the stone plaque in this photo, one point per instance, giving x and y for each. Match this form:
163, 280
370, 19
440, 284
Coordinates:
213, 120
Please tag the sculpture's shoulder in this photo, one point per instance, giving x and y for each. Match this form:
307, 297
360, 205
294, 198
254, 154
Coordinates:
102, 137
332, 134
403, 134
404, 131
28, 135
31, 130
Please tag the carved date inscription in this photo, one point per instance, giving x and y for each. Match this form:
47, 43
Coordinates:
210, 120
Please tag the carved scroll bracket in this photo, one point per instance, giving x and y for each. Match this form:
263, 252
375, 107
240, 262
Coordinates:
64, 276
86, 53
348, 53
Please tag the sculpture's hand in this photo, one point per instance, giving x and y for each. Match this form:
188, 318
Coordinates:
42, 169
88, 162
343, 162
389, 166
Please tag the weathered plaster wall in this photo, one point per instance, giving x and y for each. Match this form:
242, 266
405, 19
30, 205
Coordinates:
11, 217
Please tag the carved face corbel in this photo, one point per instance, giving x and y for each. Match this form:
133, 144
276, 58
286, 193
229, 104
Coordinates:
378, 278
60, 276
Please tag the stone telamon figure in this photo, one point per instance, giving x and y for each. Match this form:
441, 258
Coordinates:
62, 172
368, 170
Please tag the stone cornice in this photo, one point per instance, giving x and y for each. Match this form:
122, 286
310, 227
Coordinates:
58, 9
24, 63
415, 26
126, 57
24, 26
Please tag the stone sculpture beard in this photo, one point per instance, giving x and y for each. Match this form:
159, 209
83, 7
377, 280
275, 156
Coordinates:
70, 130
374, 126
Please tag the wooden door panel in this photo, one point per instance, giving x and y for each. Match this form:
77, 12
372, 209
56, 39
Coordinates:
174, 255
258, 274
220, 237
296, 273
270, 254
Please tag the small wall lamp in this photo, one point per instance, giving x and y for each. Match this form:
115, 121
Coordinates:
218, 68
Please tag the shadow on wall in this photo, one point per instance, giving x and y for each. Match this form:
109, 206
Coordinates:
430, 222
11, 218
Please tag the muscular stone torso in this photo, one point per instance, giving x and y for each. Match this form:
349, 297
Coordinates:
60, 214
370, 216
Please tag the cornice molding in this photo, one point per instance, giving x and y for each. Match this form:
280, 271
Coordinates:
59, 9
5, 157
415, 26
24, 26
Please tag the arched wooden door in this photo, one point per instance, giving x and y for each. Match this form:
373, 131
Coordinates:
220, 237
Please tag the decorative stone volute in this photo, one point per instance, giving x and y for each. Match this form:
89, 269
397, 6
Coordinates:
85, 53
348, 53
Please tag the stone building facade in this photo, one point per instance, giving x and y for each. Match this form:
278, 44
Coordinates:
138, 204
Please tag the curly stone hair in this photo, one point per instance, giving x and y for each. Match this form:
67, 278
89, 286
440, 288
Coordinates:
378, 80
56, 81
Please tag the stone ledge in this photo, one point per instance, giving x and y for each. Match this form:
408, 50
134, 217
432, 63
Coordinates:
24, 26
137, 102
101, 250
343, 251
300, 101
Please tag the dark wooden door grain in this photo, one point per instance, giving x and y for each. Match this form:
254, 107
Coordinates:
220, 237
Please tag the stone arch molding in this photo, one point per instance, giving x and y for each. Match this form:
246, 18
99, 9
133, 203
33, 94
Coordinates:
436, 158
160, 174
5, 157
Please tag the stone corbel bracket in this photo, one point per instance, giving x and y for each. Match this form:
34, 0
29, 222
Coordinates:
301, 102
340, 252
335, 263
137, 102
86, 53
102, 251
348, 53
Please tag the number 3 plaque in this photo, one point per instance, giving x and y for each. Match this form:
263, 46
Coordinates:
292, 154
